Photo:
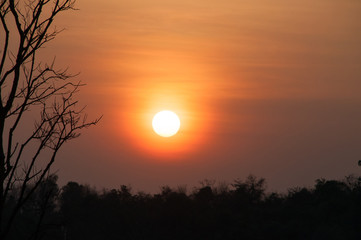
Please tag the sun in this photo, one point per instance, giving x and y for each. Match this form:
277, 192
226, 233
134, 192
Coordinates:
166, 123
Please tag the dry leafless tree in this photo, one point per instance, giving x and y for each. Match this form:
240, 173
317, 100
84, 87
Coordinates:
30, 87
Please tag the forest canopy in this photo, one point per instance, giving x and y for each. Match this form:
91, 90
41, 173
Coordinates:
331, 209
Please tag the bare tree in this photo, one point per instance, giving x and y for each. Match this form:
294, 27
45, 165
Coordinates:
29, 86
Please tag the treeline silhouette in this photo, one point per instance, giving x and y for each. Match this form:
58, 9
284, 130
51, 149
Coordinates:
242, 210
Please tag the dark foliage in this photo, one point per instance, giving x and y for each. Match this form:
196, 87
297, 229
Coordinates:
242, 210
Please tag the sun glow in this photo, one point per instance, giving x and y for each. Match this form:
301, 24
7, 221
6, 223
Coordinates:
151, 93
166, 123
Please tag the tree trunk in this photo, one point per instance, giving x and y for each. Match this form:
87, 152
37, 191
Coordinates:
2, 174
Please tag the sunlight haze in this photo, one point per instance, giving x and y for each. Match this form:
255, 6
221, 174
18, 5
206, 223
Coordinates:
264, 87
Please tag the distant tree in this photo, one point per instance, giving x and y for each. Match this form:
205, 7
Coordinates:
27, 87
252, 190
329, 210
38, 216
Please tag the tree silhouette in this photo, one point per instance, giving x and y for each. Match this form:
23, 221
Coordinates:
29, 86
38, 217
329, 210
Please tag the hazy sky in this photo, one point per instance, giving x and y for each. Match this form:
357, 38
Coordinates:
270, 88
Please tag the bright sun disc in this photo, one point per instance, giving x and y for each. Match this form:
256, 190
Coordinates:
166, 123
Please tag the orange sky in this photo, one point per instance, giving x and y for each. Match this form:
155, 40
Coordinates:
264, 87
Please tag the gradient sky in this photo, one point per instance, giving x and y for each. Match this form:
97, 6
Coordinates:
270, 88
